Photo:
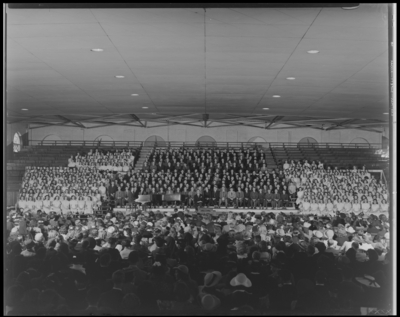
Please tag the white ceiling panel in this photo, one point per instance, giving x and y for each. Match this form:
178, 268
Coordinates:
188, 61
347, 33
366, 15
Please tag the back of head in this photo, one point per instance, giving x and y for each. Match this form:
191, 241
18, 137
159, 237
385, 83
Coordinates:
93, 295
14, 295
159, 242
320, 277
310, 250
118, 277
105, 259
347, 272
321, 247
355, 245
181, 292
31, 298
240, 298
133, 257
130, 302
48, 298
256, 256
85, 244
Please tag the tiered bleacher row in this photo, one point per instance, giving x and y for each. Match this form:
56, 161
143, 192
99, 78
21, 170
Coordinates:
64, 259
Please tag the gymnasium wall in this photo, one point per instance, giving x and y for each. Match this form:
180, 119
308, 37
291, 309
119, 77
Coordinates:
184, 133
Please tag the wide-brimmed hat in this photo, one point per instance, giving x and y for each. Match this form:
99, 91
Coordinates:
329, 234
212, 279
210, 302
182, 268
241, 280
318, 234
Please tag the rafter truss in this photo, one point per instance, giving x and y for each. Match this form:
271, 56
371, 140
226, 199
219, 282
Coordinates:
215, 120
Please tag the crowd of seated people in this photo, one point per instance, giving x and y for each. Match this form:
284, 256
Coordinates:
120, 160
329, 190
180, 262
208, 178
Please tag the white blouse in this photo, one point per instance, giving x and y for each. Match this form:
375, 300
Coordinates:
306, 205
365, 206
375, 207
339, 206
314, 206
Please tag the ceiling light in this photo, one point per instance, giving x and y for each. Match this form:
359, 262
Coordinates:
265, 108
383, 113
350, 8
134, 95
290, 78
24, 109
276, 96
313, 52
97, 50
119, 76
145, 107
156, 113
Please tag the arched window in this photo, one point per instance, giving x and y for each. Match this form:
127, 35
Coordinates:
51, 137
360, 142
103, 140
308, 142
154, 140
17, 142
257, 139
206, 141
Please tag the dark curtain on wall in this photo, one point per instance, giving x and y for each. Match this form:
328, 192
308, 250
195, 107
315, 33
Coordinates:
25, 139
10, 151
385, 142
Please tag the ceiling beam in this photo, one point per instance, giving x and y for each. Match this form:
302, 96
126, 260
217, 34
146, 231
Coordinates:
242, 118
138, 120
73, 122
341, 124
323, 120
103, 117
274, 120
179, 116
296, 127
176, 122
235, 124
114, 123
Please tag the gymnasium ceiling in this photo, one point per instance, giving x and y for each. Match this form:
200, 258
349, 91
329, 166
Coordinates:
183, 63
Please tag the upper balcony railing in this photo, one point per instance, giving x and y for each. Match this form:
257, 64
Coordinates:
119, 144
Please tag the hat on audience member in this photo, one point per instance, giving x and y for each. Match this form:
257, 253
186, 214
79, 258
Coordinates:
39, 237
212, 279
280, 232
182, 268
318, 234
241, 280
210, 302
306, 225
329, 234
350, 230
